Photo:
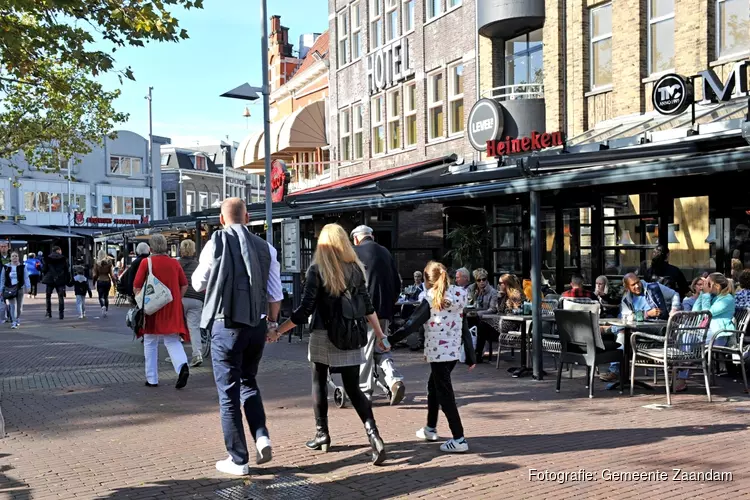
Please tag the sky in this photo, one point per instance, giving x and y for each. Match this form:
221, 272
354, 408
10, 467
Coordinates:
188, 77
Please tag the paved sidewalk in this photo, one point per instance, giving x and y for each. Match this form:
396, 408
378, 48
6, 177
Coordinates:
81, 424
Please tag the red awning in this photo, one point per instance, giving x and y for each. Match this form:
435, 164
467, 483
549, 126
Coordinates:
359, 180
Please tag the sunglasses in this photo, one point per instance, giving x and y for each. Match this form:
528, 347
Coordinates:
481, 279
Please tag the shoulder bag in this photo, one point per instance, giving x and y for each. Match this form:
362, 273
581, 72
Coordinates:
154, 295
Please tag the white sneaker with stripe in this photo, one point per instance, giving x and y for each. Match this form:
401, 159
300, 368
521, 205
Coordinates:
455, 446
426, 434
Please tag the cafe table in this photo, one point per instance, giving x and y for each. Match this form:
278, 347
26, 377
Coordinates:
627, 329
495, 320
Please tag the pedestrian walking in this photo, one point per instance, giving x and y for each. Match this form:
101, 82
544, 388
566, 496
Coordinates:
125, 281
335, 281
34, 271
81, 287
384, 287
104, 278
168, 323
13, 284
192, 302
56, 277
242, 280
442, 314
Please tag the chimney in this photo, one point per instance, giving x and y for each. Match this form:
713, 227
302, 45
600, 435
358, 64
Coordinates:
281, 62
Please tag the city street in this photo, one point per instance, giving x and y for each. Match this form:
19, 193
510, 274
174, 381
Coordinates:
81, 424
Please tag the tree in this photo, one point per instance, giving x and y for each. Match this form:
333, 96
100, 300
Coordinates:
51, 107
467, 243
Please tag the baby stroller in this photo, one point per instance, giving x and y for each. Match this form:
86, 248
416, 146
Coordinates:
339, 395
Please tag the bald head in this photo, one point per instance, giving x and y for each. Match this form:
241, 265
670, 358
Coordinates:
233, 211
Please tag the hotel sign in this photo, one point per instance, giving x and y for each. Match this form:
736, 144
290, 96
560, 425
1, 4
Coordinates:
388, 65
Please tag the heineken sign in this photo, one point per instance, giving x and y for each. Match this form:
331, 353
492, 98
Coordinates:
388, 65
535, 142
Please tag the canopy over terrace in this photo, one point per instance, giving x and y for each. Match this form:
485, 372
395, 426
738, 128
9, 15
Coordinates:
9, 229
303, 130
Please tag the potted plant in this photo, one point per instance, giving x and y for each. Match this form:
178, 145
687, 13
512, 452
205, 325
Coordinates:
467, 243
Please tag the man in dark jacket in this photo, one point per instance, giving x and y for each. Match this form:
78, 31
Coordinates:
384, 286
56, 277
661, 271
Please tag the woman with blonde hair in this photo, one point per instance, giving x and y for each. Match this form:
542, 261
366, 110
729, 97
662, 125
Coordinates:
192, 301
508, 300
103, 277
441, 314
335, 282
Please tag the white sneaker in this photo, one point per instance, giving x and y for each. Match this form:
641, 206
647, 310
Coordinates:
196, 361
426, 434
80, 316
14, 326
264, 453
454, 446
227, 466
104, 312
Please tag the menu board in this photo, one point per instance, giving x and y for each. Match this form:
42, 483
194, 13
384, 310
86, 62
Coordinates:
290, 246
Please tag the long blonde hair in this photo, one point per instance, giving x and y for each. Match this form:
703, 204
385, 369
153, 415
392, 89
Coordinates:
101, 257
436, 279
332, 255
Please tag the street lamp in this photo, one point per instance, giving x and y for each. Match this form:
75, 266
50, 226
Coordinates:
248, 93
182, 195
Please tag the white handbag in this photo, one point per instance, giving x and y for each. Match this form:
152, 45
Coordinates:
154, 294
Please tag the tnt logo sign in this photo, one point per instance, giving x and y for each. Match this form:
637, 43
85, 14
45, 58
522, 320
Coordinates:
672, 94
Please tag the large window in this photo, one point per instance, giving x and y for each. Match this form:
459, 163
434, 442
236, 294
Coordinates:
408, 15
124, 165
47, 202
660, 35
358, 146
378, 129
124, 205
346, 135
456, 99
342, 31
190, 204
376, 24
165, 159
356, 19
392, 22
202, 200
434, 8
215, 198
394, 120
199, 162
601, 46
410, 113
523, 62
142, 206
435, 106
732, 27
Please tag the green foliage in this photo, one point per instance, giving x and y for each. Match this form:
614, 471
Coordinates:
467, 243
51, 107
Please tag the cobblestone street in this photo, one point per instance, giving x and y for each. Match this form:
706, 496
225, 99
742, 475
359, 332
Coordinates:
80, 424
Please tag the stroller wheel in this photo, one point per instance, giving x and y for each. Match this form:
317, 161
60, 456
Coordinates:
339, 397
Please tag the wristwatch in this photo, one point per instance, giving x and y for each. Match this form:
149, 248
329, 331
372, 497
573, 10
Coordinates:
272, 325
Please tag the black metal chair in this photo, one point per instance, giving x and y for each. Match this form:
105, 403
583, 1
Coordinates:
736, 345
582, 344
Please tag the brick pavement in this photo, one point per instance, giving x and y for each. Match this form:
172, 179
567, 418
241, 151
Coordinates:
88, 428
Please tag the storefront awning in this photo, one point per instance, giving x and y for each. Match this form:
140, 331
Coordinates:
15, 229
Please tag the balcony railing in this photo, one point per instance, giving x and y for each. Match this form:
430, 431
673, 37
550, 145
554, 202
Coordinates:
517, 91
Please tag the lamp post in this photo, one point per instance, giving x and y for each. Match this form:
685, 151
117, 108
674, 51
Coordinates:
152, 176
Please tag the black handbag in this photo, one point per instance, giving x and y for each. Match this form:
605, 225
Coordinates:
10, 292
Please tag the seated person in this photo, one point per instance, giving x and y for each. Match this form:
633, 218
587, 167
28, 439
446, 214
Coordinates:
696, 288
508, 299
481, 293
576, 289
610, 306
654, 300
412, 292
742, 297
463, 278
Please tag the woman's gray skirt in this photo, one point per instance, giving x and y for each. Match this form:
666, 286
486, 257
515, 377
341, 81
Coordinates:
321, 350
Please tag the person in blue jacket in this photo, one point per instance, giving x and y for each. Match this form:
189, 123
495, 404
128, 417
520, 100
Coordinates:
717, 298
34, 272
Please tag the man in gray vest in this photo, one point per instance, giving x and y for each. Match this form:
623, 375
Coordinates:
242, 280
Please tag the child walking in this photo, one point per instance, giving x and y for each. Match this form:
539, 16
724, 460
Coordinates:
441, 312
82, 287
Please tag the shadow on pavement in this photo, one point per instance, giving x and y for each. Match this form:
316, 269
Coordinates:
15, 489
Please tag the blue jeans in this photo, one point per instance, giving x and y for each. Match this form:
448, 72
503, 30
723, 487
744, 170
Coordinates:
235, 355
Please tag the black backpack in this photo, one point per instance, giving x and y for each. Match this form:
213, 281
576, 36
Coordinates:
347, 326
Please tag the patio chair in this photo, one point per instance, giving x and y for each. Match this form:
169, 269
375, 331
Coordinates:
582, 344
512, 339
736, 346
683, 346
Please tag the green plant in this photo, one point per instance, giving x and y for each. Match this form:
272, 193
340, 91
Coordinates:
467, 243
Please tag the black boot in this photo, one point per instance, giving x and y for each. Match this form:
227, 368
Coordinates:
322, 440
378, 446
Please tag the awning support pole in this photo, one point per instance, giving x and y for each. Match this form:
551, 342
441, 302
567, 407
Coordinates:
536, 286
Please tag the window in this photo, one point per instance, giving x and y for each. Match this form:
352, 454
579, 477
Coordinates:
376, 24
453, 3
456, 99
378, 132
410, 113
358, 146
346, 138
106, 204
601, 46
55, 202
29, 202
199, 162
391, 15
202, 200
127, 205
408, 14
434, 8
733, 27
325, 160
394, 120
190, 205
523, 63
660, 35
343, 35
42, 201
215, 198
165, 160
356, 18
435, 110
124, 165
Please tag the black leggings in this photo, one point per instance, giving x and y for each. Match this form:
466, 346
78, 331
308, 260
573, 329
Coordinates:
33, 281
102, 288
350, 377
440, 396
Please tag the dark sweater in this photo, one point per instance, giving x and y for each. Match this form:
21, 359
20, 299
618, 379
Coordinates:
189, 265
